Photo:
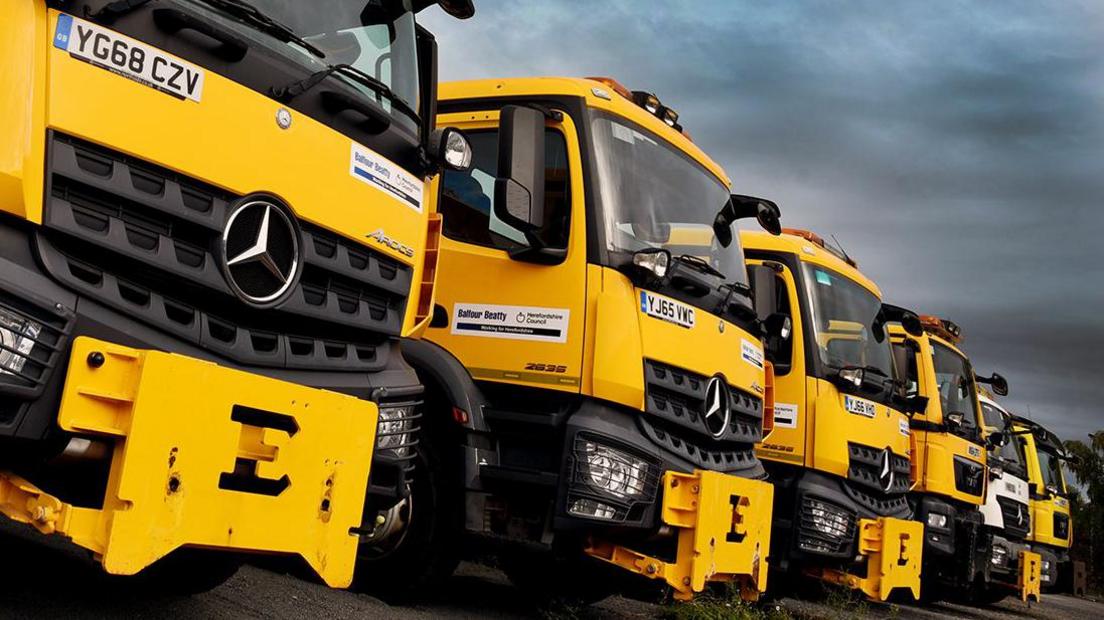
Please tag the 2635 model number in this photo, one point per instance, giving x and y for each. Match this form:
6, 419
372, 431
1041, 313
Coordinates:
545, 367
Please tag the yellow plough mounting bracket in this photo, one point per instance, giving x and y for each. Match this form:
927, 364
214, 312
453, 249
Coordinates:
207, 456
724, 528
1031, 576
893, 549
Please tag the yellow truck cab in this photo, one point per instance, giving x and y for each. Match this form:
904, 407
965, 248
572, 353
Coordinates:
594, 372
839, 452
949, 456
1051, 527
213, 233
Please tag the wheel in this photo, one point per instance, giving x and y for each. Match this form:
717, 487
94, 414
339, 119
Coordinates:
184, 572
415, 545
568, 579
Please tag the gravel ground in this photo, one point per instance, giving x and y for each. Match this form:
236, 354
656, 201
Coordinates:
56, 581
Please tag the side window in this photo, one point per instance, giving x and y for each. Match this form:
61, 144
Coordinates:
467, 198
783, 349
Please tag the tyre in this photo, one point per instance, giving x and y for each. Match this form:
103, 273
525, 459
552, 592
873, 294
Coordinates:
415, 546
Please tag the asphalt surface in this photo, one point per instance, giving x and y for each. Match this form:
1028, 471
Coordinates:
54, 580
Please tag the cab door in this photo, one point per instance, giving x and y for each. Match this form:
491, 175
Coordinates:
793, 417
509, 319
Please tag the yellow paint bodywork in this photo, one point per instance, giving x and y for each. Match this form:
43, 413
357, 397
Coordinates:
816, 441
230, 140
171, 452
1043, 509
723, 524
936, 450
607, 341
892, 548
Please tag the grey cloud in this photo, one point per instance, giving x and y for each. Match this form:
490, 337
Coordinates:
956, 148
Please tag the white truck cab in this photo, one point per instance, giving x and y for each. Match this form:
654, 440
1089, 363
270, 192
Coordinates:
1007, 508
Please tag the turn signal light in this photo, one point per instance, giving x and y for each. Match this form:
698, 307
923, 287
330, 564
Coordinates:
615, 86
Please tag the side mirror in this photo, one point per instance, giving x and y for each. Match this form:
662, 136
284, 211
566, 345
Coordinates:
779, 326
997, 382
766, 212
450, 148
913, 405
764, 285
519, 188
907, 318
995, 440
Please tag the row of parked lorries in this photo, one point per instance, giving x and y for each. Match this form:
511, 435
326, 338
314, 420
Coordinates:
266, 288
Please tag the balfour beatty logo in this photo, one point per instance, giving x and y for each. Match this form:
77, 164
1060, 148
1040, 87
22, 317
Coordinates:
381, 238
374, 166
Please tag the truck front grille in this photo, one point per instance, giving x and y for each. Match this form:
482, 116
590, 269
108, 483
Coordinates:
675, 401
146, 241
969, 476
1061, 526
868, 469
1016, 516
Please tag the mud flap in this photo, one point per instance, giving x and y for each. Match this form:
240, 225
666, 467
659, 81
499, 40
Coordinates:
893, 549
1031, 576
723, 525
210, 457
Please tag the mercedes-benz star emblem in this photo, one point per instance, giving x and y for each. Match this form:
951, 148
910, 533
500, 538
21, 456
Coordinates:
1019, 514
260, 255
886, 475
718, 410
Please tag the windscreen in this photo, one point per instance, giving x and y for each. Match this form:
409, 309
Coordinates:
955, 382
843, 314
377, 37
655, 196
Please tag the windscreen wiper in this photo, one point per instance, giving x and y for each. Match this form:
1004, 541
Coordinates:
700, 264
293, 90
111, 10
263, 22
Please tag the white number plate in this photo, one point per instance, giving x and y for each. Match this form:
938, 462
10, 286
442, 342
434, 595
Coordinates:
128, 58
859, 406
666, 309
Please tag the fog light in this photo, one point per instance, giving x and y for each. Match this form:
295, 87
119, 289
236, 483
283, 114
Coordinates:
613, 471
937, 520
17, 338
592, 509
1046, 566
393, 432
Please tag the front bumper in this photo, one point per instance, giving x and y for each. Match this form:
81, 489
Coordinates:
723, 524
1013, 565
28, 411
207, 456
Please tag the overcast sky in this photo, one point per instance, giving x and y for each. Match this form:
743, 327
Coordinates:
956, 149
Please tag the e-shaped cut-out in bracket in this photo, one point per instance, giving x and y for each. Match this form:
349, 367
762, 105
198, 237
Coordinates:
262, 434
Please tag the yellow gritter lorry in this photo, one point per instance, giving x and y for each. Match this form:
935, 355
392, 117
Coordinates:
1051, 522
594, 372
951, 461
213, 233
839, 454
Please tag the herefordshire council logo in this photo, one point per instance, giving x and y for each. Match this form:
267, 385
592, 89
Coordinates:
260, 252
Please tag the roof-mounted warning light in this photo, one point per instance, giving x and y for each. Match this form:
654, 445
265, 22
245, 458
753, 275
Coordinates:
648, 101
816, 239
944, 328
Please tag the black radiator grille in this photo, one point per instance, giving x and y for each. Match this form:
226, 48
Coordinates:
1016, 516
867, 469
145, 241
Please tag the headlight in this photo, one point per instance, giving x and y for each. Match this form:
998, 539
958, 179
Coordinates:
828, 519
17, 338
854, 376
615, 472
393, 431
936, 520
1000, 555
1046, 566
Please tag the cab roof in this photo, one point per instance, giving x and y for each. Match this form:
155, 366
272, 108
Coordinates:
596, 95
807, 251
